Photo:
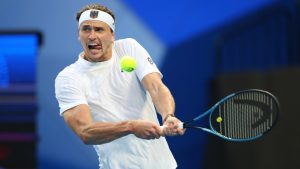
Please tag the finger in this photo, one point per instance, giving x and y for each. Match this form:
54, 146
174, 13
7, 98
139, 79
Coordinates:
181, 131
175, 129
150, 137
171, 133
165, 130
170, 121
156, 131
156, 135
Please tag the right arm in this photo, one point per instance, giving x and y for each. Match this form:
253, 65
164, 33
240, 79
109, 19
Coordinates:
80, 120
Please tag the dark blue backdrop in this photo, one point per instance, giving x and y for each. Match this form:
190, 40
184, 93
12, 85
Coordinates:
199, 40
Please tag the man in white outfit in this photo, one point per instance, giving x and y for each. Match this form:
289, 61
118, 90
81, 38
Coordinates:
114, 110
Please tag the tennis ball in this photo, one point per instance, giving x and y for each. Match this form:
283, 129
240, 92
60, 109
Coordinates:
128, 63
219, 119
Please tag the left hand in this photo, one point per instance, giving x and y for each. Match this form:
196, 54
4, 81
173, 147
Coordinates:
172, 127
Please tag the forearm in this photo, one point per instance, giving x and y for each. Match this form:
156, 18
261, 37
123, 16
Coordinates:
81, 122
160, 94
163, 101
164, 104
102, 132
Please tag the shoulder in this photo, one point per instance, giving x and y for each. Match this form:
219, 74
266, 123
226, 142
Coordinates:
69, 70
126, 42
127, 46
69, 73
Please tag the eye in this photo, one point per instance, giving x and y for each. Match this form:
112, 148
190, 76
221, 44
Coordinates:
99, 29
86, 28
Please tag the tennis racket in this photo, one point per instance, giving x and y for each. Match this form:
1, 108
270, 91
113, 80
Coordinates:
242, 116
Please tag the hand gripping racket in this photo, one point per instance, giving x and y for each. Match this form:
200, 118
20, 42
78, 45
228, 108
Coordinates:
241, 116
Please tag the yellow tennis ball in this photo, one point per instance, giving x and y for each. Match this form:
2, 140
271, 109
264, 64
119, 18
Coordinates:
128, 63
219, 119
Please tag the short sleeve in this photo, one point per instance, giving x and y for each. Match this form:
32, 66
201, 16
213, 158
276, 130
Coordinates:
145, 64
69, 92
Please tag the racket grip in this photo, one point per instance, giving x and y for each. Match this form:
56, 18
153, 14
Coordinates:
180, 126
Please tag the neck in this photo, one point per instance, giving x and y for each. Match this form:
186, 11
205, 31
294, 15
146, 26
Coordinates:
103, 58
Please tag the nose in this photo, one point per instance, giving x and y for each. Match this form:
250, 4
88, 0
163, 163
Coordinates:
92, 35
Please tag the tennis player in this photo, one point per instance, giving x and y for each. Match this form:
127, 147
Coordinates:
113, 110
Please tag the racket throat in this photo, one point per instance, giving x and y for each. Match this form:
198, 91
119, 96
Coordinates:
196, 127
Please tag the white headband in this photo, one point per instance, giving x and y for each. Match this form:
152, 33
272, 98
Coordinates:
97, 15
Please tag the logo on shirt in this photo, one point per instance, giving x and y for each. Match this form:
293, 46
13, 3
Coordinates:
94, 14
150, 60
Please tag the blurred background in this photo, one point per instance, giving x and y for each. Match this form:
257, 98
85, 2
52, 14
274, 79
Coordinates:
205, 49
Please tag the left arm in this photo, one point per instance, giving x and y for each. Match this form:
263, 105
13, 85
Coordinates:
163, 102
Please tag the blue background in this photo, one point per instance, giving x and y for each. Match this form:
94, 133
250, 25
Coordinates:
181, 36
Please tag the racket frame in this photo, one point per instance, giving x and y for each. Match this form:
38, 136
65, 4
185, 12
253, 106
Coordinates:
211, 110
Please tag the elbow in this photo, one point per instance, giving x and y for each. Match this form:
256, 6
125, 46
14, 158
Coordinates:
85, 138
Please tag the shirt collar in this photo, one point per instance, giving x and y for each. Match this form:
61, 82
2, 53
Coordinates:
87, 65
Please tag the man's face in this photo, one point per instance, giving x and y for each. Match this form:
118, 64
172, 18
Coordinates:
97, 40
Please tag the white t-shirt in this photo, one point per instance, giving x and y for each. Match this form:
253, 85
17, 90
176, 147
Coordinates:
114, 96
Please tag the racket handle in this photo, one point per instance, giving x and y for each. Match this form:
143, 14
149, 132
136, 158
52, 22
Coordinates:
163, 127
180, 126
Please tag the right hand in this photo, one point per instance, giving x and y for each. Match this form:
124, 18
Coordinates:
172, 127
145, 129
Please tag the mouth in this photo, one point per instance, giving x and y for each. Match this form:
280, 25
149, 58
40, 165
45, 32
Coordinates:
94, 46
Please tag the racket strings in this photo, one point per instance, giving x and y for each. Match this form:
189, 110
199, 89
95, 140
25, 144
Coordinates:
246, 115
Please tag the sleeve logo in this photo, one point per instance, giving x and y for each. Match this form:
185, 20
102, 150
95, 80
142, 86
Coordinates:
150, 60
